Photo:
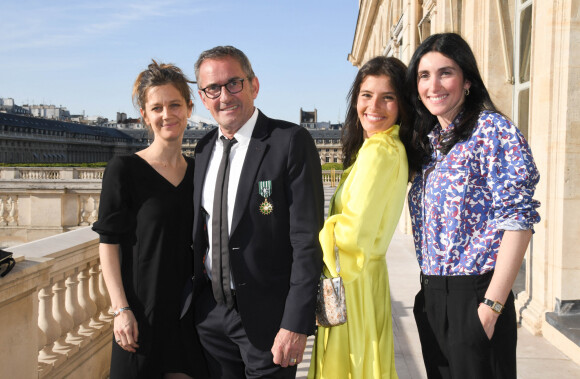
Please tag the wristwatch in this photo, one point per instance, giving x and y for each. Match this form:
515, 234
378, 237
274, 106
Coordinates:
495, 306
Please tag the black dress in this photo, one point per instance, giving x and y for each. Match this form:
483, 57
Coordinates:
151, 220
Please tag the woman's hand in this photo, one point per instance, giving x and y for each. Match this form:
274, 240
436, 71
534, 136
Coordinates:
124, 325
126, 331
509, 260
488, 318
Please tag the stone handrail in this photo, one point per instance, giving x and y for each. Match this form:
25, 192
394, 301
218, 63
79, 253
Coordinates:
68, 328
51, 173
55, 174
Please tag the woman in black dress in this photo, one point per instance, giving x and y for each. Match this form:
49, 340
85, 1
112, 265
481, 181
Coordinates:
145, 223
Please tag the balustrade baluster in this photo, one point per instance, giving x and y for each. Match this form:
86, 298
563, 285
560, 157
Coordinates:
49, 330
85, 302
74, 309
62, 345
97, 298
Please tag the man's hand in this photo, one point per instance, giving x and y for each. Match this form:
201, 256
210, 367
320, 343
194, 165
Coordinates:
288, 348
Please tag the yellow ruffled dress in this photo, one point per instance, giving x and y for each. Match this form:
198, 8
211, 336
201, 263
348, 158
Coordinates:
365, 210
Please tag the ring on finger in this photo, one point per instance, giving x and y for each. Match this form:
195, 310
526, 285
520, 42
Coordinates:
293, 360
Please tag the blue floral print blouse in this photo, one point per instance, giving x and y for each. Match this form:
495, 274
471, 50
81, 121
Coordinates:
462, 202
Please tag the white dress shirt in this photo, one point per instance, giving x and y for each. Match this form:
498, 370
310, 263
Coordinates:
237, 157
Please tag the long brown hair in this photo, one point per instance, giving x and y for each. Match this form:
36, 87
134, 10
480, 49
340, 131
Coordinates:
352, 132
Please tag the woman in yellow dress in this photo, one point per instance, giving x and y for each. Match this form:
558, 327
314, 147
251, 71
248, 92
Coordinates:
364, 212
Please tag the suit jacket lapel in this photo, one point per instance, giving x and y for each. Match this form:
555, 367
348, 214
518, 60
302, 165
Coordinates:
254, 155
202, 156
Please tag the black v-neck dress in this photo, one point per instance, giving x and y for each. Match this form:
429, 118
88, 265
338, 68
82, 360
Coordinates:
152, 220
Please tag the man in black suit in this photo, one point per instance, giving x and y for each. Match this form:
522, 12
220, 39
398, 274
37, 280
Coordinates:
255, 300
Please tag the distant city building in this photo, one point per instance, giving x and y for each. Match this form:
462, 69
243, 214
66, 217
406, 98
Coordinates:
47, 138
95, 120
309, 120
48, 111
135, 123
123, 122
7, 105
79, 118
328, 144
121, 117
190, 138
25, 139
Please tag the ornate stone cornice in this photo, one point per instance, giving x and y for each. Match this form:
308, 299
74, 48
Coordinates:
366, 15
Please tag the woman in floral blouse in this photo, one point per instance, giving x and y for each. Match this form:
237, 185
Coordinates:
472, 212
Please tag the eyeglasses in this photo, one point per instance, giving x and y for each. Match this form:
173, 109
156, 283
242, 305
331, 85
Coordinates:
215, 90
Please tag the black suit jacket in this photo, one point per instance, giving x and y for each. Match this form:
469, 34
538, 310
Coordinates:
276, 259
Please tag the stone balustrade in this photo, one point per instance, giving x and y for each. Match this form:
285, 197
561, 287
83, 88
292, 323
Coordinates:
331, 177
37, 202
56, 311
51, 173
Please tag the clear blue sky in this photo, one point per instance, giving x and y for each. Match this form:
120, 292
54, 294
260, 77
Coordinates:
85, 55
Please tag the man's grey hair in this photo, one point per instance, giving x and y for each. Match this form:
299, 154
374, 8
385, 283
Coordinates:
220, 52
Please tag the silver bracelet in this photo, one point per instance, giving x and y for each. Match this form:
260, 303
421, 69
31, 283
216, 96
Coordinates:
121, 310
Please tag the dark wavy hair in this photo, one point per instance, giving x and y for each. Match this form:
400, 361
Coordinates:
352, 132
456, 48
158, 74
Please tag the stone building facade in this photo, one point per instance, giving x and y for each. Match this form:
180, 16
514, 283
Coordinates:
25, 139
528, 57
328, 144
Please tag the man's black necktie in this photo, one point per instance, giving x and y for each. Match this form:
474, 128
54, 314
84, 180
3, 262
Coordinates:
220, 270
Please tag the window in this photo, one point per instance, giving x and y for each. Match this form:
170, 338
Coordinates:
522, 60
424, 25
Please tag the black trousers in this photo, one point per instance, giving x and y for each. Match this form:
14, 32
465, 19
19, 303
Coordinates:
229, 352
453, 341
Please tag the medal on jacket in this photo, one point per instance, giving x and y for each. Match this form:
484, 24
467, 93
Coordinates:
265, 190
